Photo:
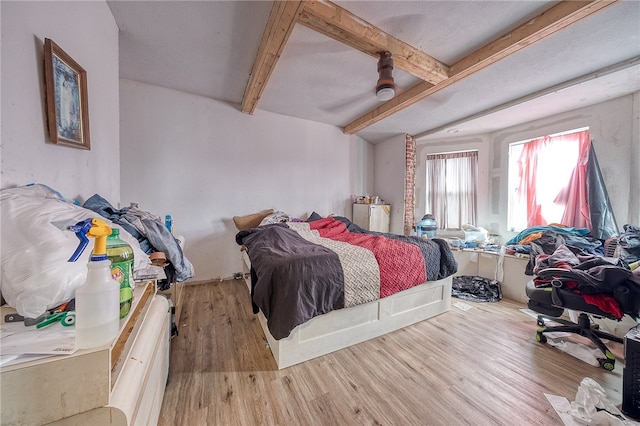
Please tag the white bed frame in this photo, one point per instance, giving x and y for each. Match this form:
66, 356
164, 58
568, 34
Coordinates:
346, 327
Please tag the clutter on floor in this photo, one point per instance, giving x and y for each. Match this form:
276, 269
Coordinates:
590, 407
476, 289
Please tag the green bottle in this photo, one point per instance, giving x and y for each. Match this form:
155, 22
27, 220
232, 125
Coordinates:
121, 256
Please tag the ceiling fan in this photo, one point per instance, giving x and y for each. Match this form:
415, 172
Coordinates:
385, 87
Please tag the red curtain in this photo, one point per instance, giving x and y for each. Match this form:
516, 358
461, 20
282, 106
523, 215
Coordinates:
528, 170
574, 195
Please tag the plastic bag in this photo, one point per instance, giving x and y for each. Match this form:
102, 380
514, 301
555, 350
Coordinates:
582, 352
592, 407
36, 245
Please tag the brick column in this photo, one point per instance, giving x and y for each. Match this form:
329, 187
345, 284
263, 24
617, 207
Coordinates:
409, 185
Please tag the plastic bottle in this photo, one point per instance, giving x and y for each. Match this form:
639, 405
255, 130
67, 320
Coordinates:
120, 254
97, 307
98, 299
427, 227
168, 222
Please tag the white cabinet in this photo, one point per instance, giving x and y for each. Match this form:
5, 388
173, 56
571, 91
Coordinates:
372, 217
118, 384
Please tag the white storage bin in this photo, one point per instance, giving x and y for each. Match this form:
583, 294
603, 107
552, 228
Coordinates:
477, 236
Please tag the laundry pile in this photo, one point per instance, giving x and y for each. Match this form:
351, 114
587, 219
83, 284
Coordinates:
476, 289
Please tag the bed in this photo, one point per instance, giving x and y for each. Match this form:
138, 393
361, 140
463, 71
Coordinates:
324, 285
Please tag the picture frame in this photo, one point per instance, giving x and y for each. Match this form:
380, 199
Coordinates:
67, 100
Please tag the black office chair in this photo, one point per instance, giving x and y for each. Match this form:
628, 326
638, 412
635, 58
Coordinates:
616, 290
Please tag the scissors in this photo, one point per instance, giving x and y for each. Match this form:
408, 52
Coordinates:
67, 319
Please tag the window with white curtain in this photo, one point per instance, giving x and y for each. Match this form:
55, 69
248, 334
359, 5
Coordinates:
451, 194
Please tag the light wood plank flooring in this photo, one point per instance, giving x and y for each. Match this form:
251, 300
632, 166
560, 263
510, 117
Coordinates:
476, 367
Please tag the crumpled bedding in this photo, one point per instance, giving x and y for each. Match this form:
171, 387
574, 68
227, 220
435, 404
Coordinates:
301, 270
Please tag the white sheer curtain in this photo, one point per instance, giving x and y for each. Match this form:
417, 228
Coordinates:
451, 194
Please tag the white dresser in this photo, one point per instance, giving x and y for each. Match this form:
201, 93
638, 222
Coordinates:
372, 217
120, 384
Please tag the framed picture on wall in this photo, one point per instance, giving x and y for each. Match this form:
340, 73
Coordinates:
66, 95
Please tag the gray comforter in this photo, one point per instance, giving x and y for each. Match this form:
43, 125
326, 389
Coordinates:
301, 270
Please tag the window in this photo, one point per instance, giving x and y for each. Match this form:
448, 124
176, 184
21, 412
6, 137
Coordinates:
547, 182
452, 188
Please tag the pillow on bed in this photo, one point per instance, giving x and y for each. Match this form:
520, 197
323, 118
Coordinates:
251, 220
276, 217
313, 217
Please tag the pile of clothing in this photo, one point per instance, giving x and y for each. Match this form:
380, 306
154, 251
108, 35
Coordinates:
539, 240
150, 232
603, 282
572, 258
629, 242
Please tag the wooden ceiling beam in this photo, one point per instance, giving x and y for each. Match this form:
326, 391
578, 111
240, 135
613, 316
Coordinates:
282, 19
547, 23
341, 25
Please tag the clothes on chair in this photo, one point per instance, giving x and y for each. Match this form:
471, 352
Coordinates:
593, 285
546, 239
614, 299
601, 281
593, 278
550, 303
562, 257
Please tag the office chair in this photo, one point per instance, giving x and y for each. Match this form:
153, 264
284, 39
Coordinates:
615, 290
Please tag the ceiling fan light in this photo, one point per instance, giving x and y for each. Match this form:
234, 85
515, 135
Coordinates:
385, 87
385, 93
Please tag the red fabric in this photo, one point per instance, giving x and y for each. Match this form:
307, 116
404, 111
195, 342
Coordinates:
602, 301
574, 196
528, 168
401, 264
605, 303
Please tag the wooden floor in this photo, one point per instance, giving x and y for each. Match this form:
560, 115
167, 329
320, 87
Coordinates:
476, 367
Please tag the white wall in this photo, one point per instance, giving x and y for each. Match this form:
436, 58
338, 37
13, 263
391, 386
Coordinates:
611, 125
634, 165
203, 161
614, 128
88, 33
389, 178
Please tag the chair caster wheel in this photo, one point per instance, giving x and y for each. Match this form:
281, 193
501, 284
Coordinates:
541, 337
607, 364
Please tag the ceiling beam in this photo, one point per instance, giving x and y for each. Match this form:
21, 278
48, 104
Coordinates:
343, 26
602, 72
547, 23
282, 19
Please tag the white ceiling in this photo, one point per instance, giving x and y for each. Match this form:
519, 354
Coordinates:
208, 48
